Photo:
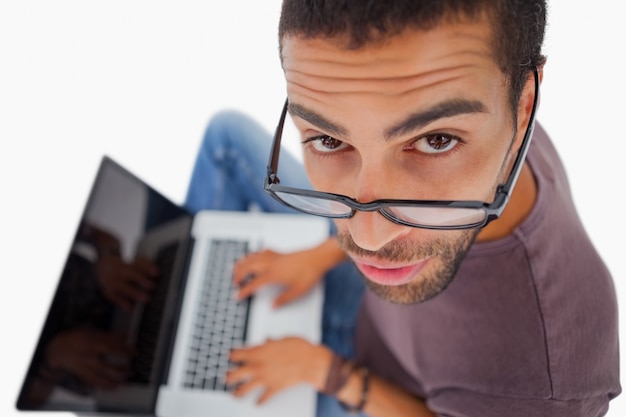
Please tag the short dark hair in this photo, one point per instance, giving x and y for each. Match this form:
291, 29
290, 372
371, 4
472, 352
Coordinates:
518, 26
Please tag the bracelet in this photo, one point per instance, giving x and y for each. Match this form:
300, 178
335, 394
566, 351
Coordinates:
365, 386
338, 375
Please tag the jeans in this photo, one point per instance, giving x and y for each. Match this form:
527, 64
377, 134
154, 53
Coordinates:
228, 175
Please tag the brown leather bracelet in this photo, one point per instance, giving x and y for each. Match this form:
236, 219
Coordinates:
338, 374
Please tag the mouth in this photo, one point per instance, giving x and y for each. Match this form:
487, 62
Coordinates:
389, 274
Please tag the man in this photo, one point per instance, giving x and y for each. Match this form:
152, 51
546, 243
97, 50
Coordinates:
485, 296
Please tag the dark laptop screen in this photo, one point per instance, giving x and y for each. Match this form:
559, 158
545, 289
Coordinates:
106, 339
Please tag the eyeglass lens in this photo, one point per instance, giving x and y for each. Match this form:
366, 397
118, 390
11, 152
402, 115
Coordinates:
418, 215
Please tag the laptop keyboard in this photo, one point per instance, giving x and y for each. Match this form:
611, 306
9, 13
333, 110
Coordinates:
221, 319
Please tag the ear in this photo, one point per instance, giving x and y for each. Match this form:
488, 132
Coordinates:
525, 106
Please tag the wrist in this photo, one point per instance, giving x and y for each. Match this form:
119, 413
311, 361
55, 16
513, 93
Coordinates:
355, 393
337, 376
320, 362
364, 379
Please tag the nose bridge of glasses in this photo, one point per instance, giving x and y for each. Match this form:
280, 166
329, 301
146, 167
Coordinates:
372, 231
368, 206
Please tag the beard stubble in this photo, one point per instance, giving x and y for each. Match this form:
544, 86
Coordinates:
446, 254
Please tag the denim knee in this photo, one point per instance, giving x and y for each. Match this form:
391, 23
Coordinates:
228, 129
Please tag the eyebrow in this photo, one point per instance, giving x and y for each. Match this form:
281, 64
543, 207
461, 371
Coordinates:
442, 110
316, 120
413, 122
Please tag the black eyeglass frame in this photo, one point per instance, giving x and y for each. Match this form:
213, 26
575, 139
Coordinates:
492, 210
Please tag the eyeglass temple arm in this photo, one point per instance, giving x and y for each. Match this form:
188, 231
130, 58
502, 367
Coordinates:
272, 164
504, 190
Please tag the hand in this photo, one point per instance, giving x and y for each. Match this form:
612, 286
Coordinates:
278, 364
95, 357
126, 283
296, 273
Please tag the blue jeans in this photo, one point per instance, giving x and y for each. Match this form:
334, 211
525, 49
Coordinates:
228, 175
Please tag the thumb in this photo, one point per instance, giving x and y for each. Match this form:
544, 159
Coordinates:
287, 296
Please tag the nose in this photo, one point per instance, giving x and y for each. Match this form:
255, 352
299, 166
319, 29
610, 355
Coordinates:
370, 230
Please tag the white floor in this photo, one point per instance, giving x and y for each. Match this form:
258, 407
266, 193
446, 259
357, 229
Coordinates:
138, 80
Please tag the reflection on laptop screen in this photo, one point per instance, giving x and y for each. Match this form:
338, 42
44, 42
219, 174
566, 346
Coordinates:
106, 335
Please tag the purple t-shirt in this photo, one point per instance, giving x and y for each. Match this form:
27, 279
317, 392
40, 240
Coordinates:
527, 328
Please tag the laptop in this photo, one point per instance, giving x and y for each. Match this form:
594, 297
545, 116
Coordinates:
105, 350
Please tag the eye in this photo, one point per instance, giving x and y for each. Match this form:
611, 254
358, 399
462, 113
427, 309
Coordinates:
435, 143
326, 144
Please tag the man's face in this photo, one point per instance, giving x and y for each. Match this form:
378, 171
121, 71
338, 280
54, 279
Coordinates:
422, 116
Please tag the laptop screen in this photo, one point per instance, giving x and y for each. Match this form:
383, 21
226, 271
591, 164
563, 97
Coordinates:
107, 336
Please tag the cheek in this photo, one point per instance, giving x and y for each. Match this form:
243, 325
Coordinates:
477, 181
493, 170
314, 174
335, 176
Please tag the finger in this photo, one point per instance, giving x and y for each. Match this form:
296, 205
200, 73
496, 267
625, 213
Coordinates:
250, 258
112, 372
287, 296
245, 280
139, 278
239, 375
106, 375
253, 286
90, 372
254, 263
259, 255
146, 267
245, 268
127, 297
245, 387
267, 394
94, 379
129, 289
116, 372
240, 355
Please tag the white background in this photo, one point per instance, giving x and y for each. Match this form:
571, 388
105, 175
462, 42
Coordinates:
138, 80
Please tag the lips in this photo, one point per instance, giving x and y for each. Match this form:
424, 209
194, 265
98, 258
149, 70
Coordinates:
388, 274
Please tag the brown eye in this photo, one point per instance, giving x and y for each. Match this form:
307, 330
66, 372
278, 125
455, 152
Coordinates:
436, 143
329, 142
326, 144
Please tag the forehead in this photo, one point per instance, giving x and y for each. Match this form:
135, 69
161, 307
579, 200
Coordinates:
451, 55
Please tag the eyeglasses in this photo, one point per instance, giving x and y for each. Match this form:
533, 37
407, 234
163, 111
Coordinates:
426, 214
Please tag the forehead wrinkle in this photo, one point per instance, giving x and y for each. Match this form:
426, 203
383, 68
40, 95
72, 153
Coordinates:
323, 80
442, 110
316, 119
